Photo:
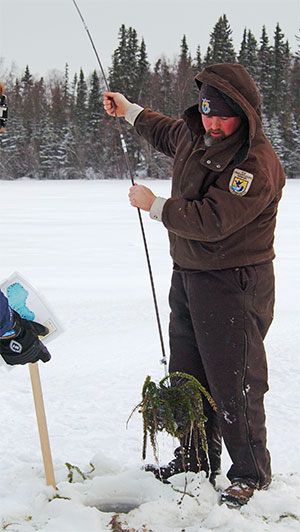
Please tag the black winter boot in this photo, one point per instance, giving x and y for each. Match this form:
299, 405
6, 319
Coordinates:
185, 460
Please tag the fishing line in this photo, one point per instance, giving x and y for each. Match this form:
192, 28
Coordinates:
129, 169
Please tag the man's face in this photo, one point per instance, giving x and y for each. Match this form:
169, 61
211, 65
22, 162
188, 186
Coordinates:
219, 127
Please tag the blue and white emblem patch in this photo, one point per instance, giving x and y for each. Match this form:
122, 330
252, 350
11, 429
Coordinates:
205, 106
240, 182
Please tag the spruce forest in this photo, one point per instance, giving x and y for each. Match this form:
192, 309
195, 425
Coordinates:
57, 129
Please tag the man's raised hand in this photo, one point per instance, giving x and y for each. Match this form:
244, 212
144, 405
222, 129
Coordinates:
115, 102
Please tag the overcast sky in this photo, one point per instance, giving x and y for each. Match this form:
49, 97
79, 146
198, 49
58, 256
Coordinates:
46, 34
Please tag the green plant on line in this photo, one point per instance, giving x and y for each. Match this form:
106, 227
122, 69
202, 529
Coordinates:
176, 406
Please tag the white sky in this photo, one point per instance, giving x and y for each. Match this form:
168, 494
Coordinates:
45, 34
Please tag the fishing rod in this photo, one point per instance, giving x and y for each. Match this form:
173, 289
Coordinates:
129, 169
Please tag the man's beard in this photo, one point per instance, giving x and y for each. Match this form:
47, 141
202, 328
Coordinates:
209, 140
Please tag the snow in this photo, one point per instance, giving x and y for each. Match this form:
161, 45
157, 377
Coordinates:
79, 243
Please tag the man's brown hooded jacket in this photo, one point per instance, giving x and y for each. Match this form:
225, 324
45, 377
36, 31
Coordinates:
223, 206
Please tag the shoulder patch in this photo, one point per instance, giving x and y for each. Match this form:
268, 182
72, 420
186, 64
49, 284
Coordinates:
240, 182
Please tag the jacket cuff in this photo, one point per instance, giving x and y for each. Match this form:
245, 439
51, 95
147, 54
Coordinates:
133, 112
157, 208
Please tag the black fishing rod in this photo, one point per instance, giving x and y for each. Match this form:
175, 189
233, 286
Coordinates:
129, 169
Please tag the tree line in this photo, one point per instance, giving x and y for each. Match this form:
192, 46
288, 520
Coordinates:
58, 129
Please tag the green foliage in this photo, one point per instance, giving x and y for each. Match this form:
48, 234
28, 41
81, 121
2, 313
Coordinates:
130, 70
130, 74
280, 60
221, 49
74, 470
175, 405
185, 89
81, 103
265, 72
248, 53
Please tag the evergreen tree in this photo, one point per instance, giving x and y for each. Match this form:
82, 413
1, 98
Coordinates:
168, 101
94, 140
40, 110
162, 99
185, 56
67, 154
243, 56
60, 119
124, 73
143, 80
94, 111
184, 82
129, 74
132, 61
273, 131
286, 102
116, 80
26, 81
34, 105
162, 88
295, 83
197, 61
221, 49
27, 102
47, 149
265, 73
208, 58
59, 110
73, 95
155, 86
252, 59
295, 89
279, 69
79, 120
248, 54
66, 89
291, 147
81, 103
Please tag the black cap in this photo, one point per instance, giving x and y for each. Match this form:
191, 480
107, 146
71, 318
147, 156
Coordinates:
213, 102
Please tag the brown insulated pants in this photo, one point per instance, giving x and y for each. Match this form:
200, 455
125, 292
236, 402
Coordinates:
218, 323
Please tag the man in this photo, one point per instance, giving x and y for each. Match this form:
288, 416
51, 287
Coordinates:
19, 338
227, 182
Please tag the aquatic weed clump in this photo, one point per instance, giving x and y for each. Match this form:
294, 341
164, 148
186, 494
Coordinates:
176, 406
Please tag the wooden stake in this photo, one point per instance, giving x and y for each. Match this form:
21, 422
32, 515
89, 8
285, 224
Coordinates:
42, 423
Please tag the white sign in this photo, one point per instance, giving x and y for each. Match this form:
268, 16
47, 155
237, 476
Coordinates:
25, 299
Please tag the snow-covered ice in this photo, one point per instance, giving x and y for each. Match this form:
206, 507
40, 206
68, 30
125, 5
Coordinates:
79, 243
